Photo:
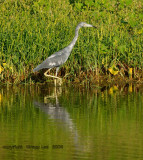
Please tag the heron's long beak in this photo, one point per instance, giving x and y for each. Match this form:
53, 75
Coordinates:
88, 25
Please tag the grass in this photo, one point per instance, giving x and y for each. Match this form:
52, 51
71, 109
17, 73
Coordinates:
33, 30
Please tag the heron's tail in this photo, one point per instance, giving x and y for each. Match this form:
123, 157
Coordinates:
37, 68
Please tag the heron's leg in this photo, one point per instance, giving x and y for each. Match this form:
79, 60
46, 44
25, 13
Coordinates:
57, 69
51, 75
60, 79
55, 82
47, 71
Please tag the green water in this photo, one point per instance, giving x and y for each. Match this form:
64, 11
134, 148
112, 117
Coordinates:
44, 122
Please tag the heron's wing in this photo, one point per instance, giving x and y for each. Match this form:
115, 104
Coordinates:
55, 60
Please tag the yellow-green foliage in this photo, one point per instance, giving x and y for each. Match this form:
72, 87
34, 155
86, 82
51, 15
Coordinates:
31, 30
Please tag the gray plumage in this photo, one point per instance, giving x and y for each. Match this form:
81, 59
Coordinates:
60, 57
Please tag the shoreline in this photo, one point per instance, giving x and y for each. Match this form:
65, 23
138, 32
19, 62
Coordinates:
83, 79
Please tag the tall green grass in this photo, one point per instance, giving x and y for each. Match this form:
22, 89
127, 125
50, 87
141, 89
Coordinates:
33, 30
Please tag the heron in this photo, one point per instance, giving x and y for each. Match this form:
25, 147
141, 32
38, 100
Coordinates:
60, 57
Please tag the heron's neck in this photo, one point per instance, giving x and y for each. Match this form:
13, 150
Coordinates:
71, 45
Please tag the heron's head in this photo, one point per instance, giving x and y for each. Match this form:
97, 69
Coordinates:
83, 24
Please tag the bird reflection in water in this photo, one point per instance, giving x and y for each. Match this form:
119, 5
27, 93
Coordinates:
55, 111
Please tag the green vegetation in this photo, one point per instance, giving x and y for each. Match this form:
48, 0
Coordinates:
33, 30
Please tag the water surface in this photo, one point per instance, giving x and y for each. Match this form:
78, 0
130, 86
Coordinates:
47, 122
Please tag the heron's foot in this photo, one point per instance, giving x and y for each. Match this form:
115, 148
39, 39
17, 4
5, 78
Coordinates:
51, 76
58, 82
47, 75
